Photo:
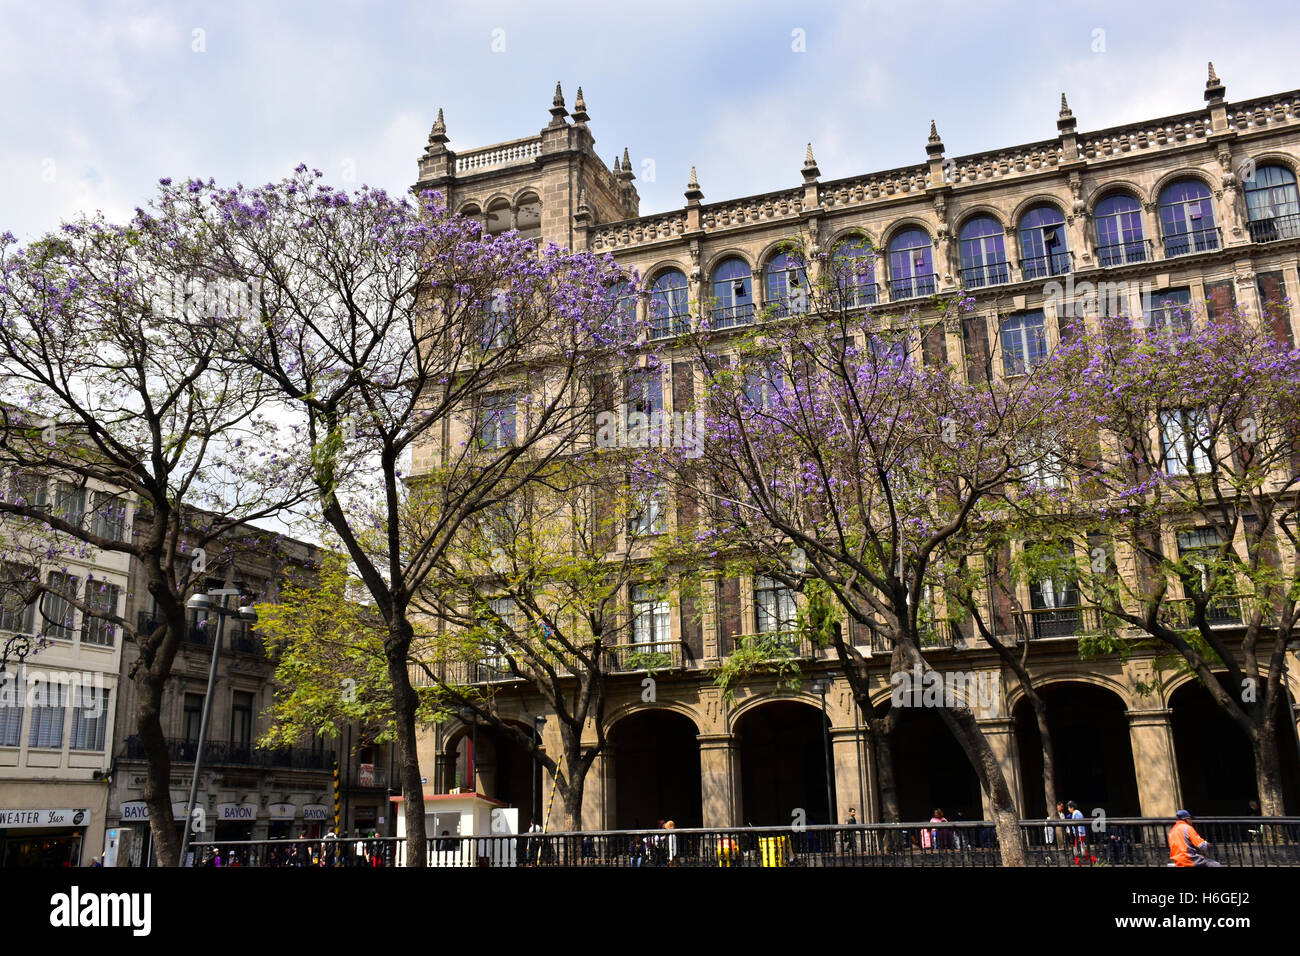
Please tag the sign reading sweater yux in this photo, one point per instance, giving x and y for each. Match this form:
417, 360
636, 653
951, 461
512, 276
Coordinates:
44, 818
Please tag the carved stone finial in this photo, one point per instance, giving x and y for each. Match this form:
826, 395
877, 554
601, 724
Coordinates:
627, 163
1065, 108
1214, 88
437, 135
558, 112
1213, 79
580, 109
810, 170
934, 133
808, 157
693, 192
558, 100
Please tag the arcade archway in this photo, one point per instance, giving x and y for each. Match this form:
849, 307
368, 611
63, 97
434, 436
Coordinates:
656, 759
783, 764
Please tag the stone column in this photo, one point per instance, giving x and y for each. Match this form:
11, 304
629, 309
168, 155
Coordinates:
720, 779
1000, 733
597, 805
1154, 764
848, 756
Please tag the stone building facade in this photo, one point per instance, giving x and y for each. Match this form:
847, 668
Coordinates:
1198, 209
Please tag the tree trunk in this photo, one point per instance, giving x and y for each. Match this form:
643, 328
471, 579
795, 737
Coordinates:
880, 731
1049, 751
158, 768
1268, 770
404, 706
1006, 821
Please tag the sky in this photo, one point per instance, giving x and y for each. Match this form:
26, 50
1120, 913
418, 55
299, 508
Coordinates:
103, 99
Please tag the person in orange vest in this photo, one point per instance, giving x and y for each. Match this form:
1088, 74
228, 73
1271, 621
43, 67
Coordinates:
1186, 846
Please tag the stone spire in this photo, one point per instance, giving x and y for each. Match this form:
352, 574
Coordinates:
810, 170
580, 116
558, 112
437, 135
934, 155
934, 134
1065, 108
1214, 88
693, 192
1065, 121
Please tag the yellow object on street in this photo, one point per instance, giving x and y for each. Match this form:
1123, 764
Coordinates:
775, 851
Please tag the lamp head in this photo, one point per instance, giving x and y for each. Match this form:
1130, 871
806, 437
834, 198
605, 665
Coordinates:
246, 613
199, 601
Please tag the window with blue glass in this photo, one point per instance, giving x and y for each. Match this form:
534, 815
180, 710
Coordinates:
853, 263
733, 294
1119, 231
1024, 343
1043, 248
1187, 218
669, 307
911, 264
983, 253
786, 286
1272, 204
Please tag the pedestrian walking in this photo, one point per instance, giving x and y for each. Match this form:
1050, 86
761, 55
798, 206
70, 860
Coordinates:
1079, 836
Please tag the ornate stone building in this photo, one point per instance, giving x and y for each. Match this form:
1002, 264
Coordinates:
1199, 209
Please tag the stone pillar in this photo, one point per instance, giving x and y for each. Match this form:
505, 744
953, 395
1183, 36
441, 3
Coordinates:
1154, 765
849, 759
1001, 735
720, 780
597, 807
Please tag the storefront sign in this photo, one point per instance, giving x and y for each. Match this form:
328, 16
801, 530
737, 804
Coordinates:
283, 811
315, 811
366, 775
243, 812
44, 818
138, 810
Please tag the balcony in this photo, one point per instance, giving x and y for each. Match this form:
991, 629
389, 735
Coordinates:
733, 316
991, 273
857, 296
1042, 623
1220, 612
655, 656
224, 754
1194, 241
239, 639
479, 672
1274, 228
933, 635
912, 287
1041, 267
775, 645
669, 326
1124, 253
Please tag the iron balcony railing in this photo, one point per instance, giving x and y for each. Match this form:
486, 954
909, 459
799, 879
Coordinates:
932, 634
1224, 611
732, 316
647, 656
1192, 241
1124, 253
669, 326
1274, 228
912, 287
856, 296
475, 672
1116, 842
223, 753
238, 639
1053, 264
1046, 622
990, 273
784, 644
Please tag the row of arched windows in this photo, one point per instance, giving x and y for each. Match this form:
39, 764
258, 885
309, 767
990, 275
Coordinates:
525, 215
1185, 217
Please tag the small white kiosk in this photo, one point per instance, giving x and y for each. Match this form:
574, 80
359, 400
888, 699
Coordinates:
449, 817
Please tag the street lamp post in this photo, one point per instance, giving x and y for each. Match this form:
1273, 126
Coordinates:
204, 602
820, 686
538, 723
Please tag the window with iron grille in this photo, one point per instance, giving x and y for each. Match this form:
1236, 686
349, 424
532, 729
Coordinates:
983, 252
192, 718
108, 516
15, 613
1185, 437
1024, 343
45, 727
57, 612
1170, 310
649, 516
241, 720
497, 421
89, 718
787, 286
774, 606
1187, 218
70, 502
105, 597
1272, 204
1118, 220
11, 709
651, 620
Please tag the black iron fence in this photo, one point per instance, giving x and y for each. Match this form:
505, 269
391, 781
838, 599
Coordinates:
1233, 841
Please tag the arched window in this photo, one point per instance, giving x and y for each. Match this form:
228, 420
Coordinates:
1187, 218
1272, 204
853, 261
1043, 249
669, 309
733, 294
498, 217
1119, 231
528, 216
911, 265
786, 286
983, 253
